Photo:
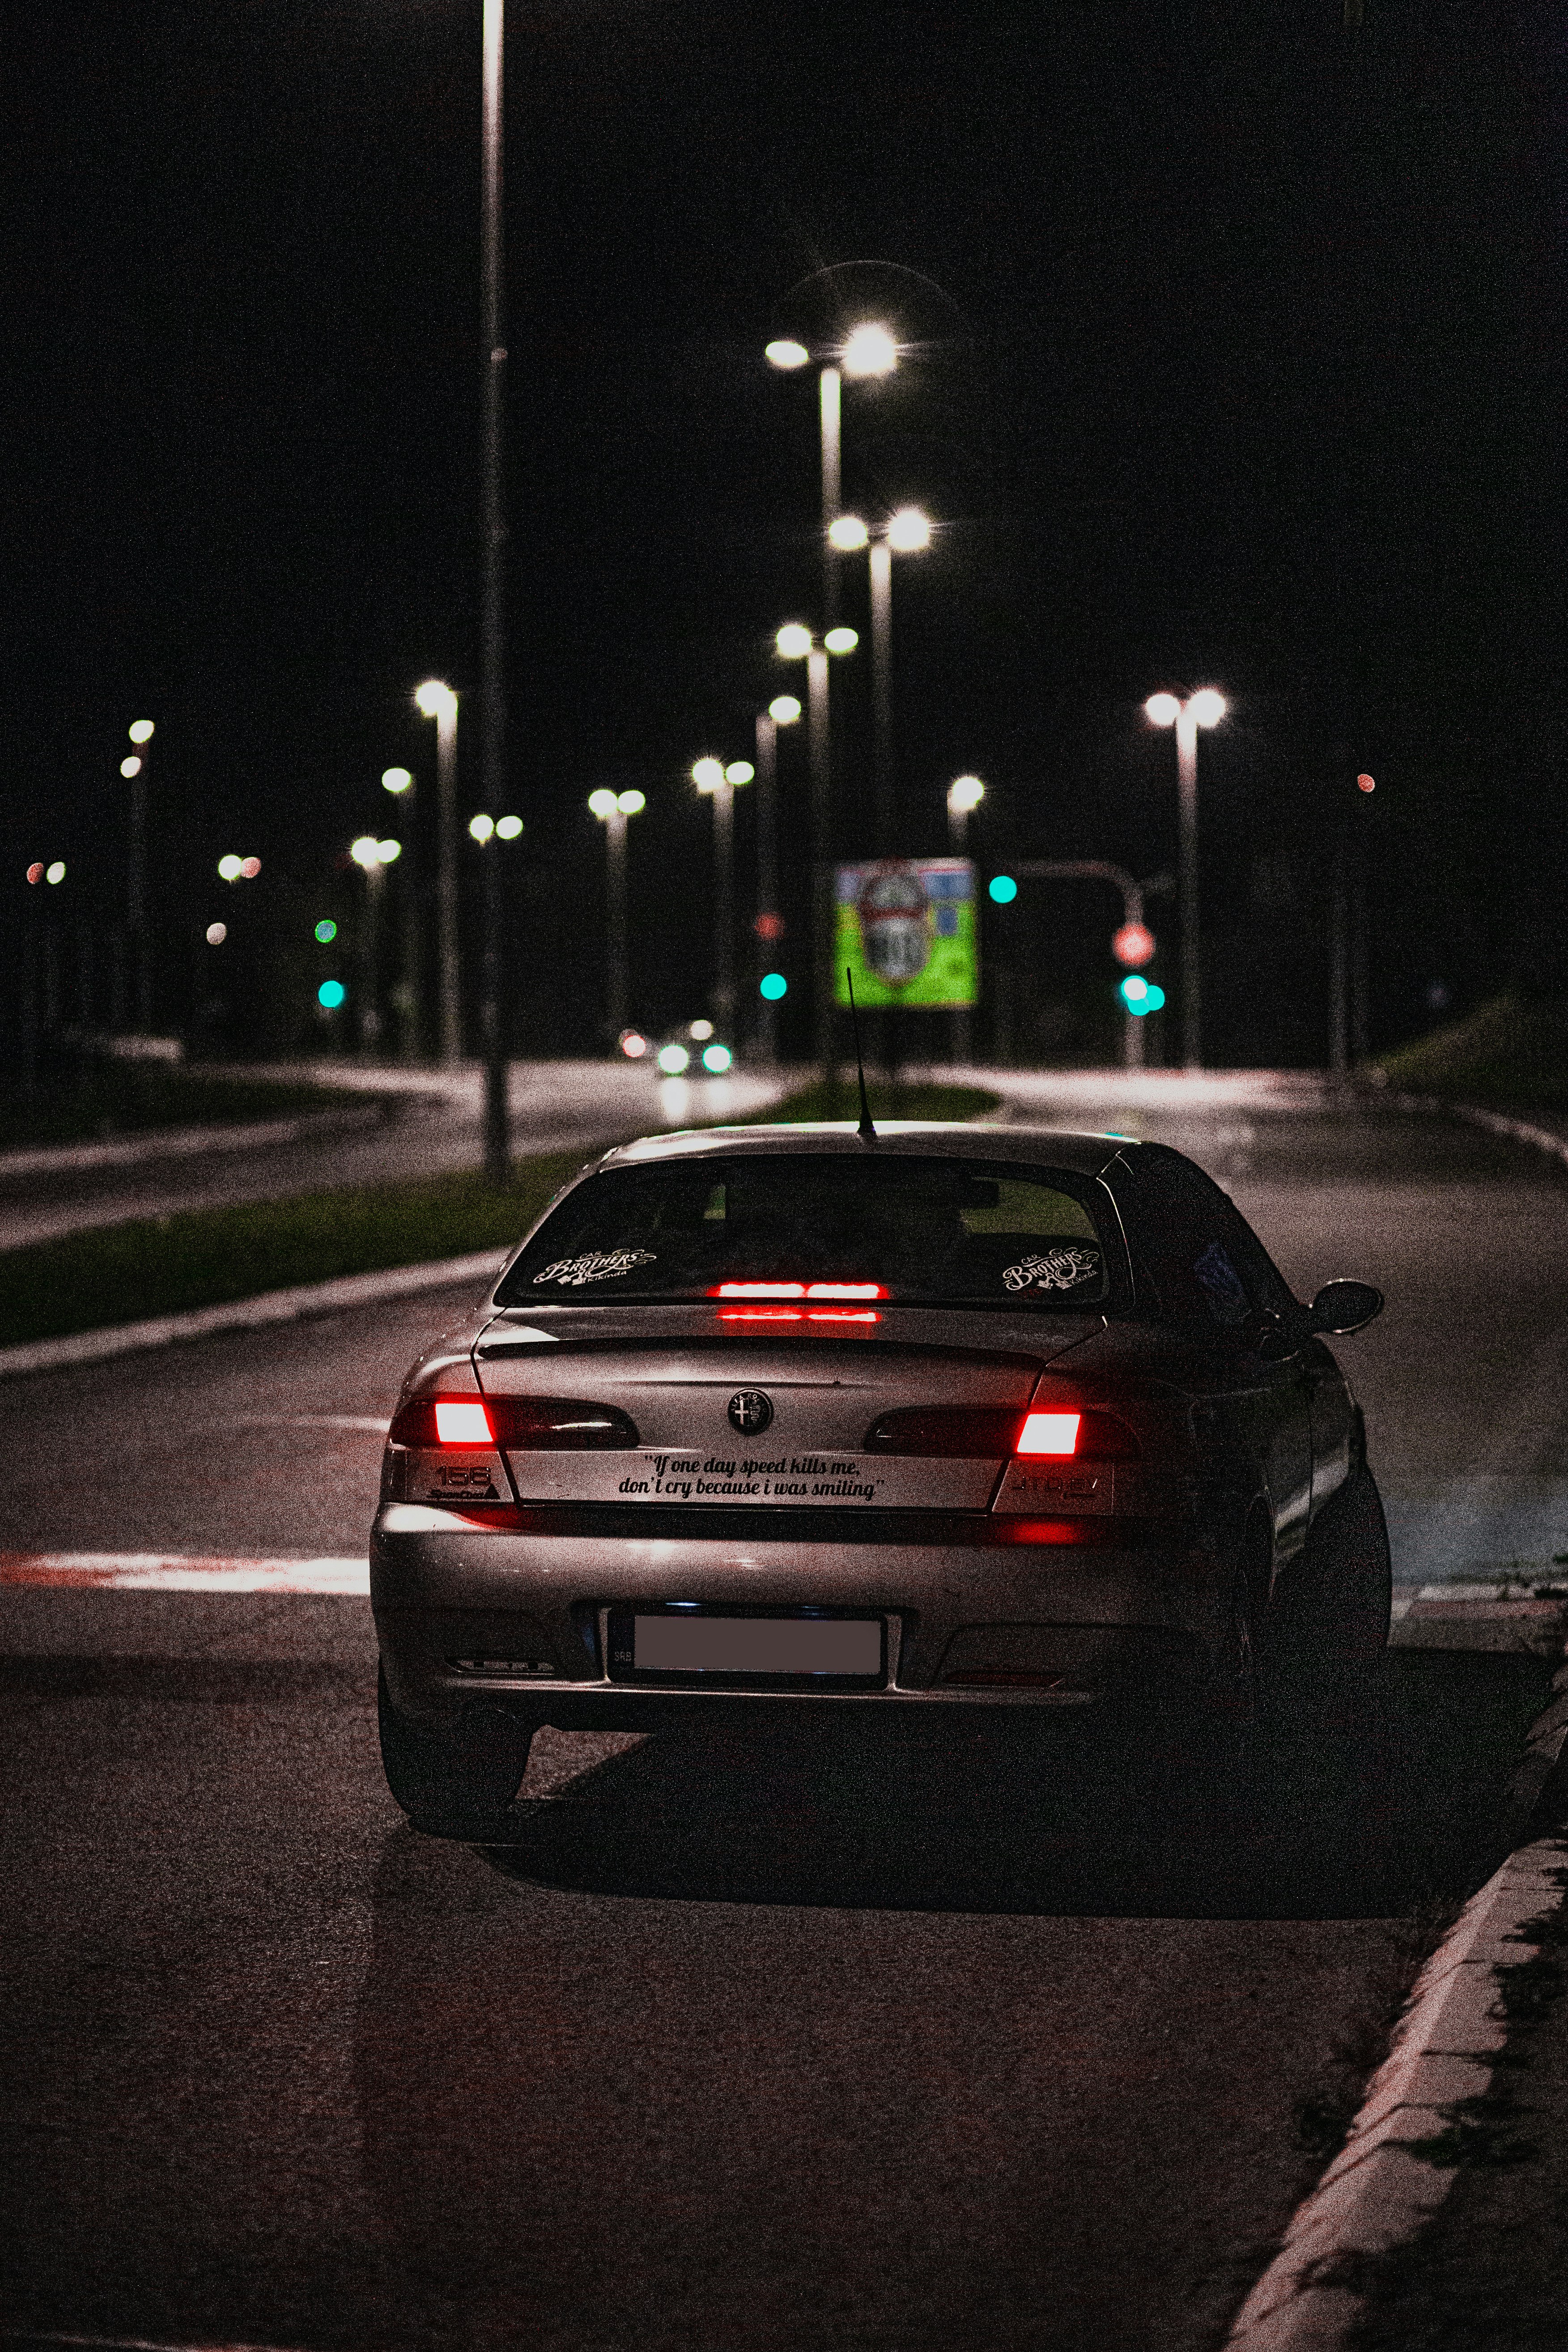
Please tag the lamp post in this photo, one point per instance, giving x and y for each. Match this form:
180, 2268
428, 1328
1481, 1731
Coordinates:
437, 701
866, 351
372, 857
492, 648
400, 783
783, 711
612, 809
796, 643
964, 795
1204, 708
905, 534
133, 768
718, 782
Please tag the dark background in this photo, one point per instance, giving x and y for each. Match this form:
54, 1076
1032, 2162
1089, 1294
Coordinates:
1237, 359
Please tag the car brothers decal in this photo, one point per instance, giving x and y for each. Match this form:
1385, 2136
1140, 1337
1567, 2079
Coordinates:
595, 1266
1053, 1269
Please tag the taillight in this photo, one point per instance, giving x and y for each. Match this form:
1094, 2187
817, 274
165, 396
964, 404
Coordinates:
518, 1425
981, 1432
798, 1290
798, 1314
1048, 1433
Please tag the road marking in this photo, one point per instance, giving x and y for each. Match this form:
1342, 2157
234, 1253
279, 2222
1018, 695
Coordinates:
378, 1422
157, 1571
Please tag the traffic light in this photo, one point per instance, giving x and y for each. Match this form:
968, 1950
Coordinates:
1139, 995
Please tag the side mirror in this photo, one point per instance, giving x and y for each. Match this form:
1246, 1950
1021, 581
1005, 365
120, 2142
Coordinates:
1342, 1308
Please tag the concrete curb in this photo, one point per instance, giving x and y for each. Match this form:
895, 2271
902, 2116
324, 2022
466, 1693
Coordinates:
190, 1142
1380, 2188
250, 1314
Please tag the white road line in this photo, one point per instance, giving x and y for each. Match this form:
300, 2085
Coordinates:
151, 1572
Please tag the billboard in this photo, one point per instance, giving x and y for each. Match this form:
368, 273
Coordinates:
907, 930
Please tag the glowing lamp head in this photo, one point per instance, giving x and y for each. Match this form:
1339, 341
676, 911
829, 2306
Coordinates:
250, 868
229, 867
785, 355
847, 532
140, 730
965, 794
217, 934
783, 709
481, 827
708, 775
793, 641
1162, 709
738, 771
508, 827
716, 1059
908, 532
366, 852
841, 641
326, 930
1207, 706
633, 1045
434, 700
631, 803
672, 1060
870, 351
389, 852
56, 872
700, 1030
395, 779
601, 802
131, 767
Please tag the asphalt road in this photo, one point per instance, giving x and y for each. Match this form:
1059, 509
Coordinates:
834, 2047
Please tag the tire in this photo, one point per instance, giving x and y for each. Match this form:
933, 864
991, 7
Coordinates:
1333, 1633
455, 1784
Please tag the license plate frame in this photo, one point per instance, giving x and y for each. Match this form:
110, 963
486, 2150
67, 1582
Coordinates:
624, 1647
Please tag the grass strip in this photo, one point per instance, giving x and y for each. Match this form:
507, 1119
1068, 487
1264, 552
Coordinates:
1511, 1054
206, 1257
129, 1098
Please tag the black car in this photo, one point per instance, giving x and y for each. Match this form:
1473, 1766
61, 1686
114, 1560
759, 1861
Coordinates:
768, 1422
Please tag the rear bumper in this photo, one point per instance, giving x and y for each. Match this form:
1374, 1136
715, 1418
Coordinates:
514, 1610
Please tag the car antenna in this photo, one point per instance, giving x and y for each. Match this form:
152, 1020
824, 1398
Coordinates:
866, 1131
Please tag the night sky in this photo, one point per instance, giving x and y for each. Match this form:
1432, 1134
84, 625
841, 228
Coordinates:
1236, 358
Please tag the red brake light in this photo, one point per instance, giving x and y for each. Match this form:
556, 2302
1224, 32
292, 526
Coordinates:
462, 1420
1048, 1433
798, 1290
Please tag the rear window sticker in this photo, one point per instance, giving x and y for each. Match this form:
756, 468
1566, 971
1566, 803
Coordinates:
594, 1265
1053, 1269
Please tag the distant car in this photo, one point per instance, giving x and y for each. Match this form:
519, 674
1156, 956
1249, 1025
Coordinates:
773, 1422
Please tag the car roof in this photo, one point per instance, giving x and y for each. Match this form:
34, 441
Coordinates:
1083, 1155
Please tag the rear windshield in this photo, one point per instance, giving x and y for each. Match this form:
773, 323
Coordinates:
820, 1226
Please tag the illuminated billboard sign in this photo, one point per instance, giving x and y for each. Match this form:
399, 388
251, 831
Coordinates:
907, 931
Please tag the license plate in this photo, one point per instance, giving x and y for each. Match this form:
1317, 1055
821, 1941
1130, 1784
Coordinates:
678, 1644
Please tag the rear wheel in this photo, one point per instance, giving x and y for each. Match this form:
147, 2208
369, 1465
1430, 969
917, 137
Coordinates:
1332, 1630
457, 1784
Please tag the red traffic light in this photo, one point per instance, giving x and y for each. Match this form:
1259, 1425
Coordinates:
1367, 784
1133, 943
769, 927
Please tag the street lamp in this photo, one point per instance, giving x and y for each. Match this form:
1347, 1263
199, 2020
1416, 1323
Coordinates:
436, 700
783, 711
612, 809
717, 780
408, 994
907, 533
964, 795
1204, 708
867, 350
796, 643
134, 770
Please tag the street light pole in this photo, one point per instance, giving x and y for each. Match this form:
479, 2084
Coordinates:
612, 809
830, 395
438, 702
906, 533
402, 786
1204, 708
493, 649
134, 768
964, 795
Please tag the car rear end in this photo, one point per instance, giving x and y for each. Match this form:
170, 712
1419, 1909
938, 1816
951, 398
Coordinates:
755, 1471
